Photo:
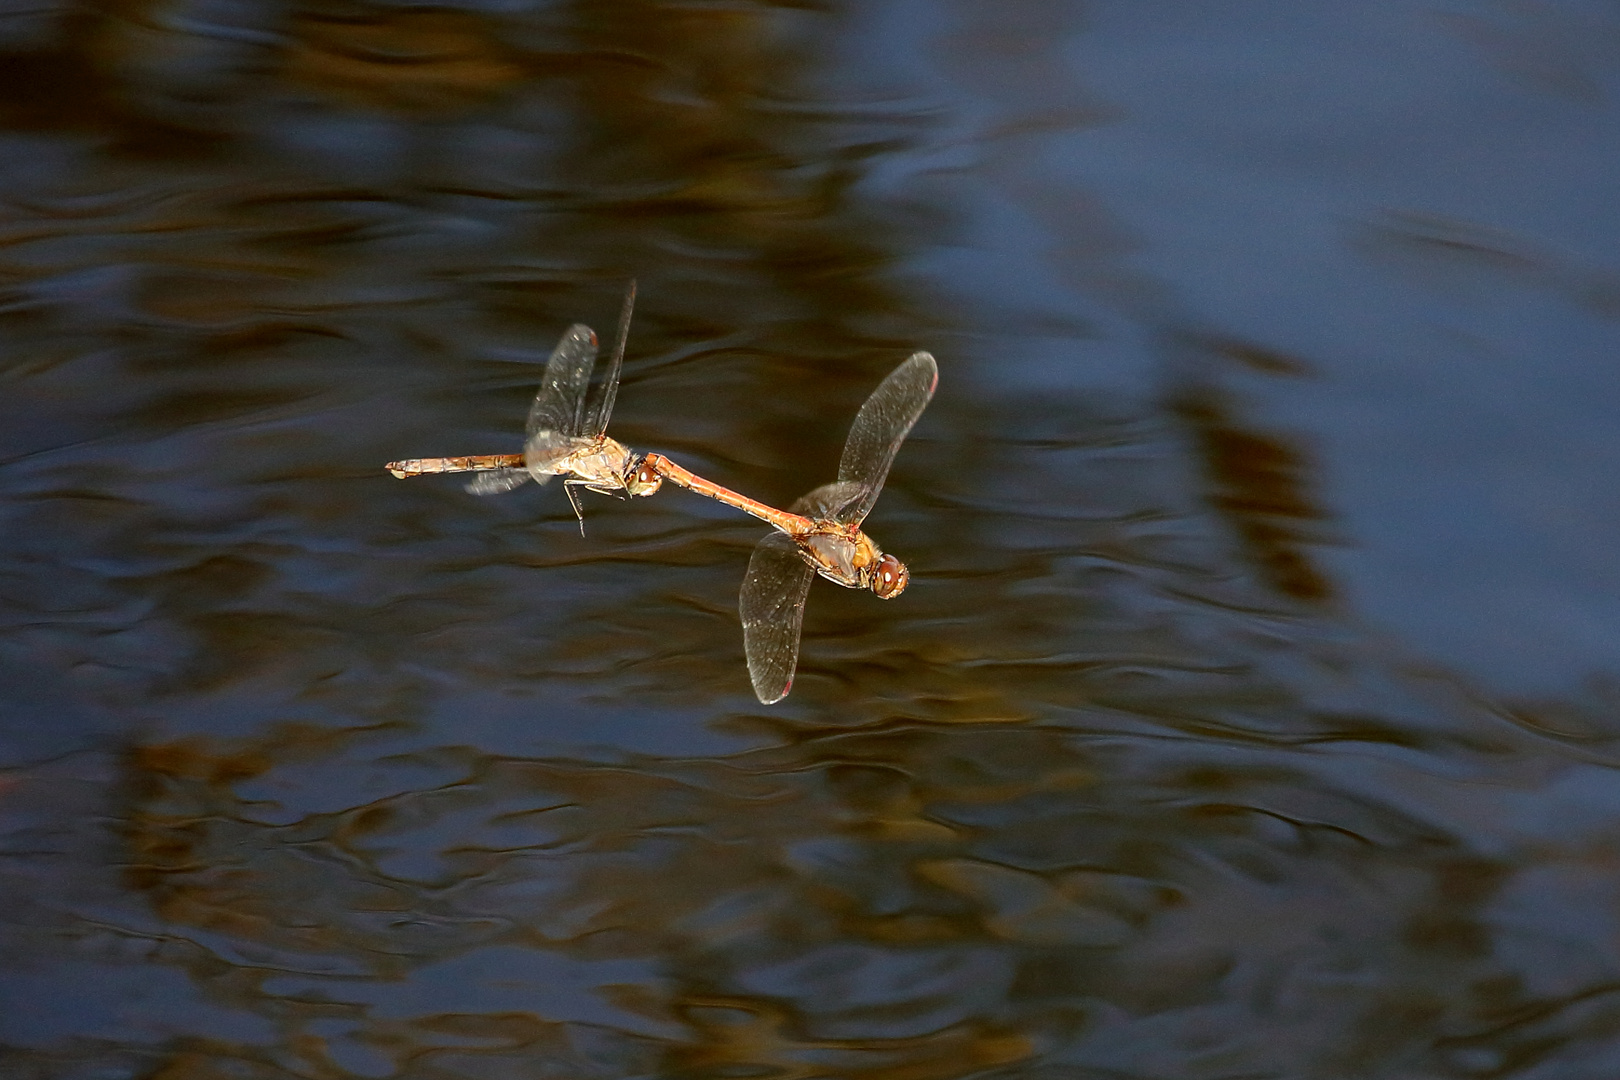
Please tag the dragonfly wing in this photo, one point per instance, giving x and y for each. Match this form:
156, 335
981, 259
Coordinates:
879, 429
559, 407
772, 608
597, 414
828, 501
546, 450
496, 481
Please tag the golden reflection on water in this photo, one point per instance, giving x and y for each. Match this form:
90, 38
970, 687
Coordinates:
395, 781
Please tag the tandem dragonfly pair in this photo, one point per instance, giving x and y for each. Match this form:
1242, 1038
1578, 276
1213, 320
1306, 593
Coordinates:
819, 534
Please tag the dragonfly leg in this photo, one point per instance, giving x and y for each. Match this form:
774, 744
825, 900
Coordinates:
588, 485
568, 486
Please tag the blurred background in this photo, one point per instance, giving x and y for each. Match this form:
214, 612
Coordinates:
1253, 708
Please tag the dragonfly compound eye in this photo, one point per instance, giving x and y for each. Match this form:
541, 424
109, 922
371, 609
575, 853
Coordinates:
643, 481
889, 577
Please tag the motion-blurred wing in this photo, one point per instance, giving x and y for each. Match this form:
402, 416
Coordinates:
879, 429
559, 407
828, 500
495, 481
601, 409
772, 607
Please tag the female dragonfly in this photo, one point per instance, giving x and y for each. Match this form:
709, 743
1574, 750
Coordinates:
565, 436
821, 533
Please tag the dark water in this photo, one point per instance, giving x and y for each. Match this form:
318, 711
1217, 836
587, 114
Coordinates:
1253, 708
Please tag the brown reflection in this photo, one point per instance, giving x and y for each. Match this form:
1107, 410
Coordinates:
1258, 482
1448, 252
917, 901
1085, 801
1539, 46
696, 141
53, 89
419, 61
740, 1037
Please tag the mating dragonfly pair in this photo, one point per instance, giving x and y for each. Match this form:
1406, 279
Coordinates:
819, 534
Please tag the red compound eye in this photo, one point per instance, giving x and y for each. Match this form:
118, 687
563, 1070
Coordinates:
644, 481
889, 577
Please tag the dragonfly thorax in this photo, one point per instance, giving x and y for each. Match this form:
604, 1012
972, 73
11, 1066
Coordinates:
600, 462
835, 556
848, 556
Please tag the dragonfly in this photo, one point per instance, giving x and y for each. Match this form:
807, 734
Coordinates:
821, 532
566, 435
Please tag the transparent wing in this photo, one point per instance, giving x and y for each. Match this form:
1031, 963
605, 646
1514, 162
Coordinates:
545, 451
559, 407
772, 607
597, 414
495, 481
828, 500
879, 429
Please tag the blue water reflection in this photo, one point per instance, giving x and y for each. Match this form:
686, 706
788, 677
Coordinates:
1251, 711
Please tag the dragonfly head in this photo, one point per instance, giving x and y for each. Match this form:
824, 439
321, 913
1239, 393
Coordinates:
888, 577
641, 480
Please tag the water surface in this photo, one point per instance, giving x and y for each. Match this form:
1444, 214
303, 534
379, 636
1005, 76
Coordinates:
1252, 709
